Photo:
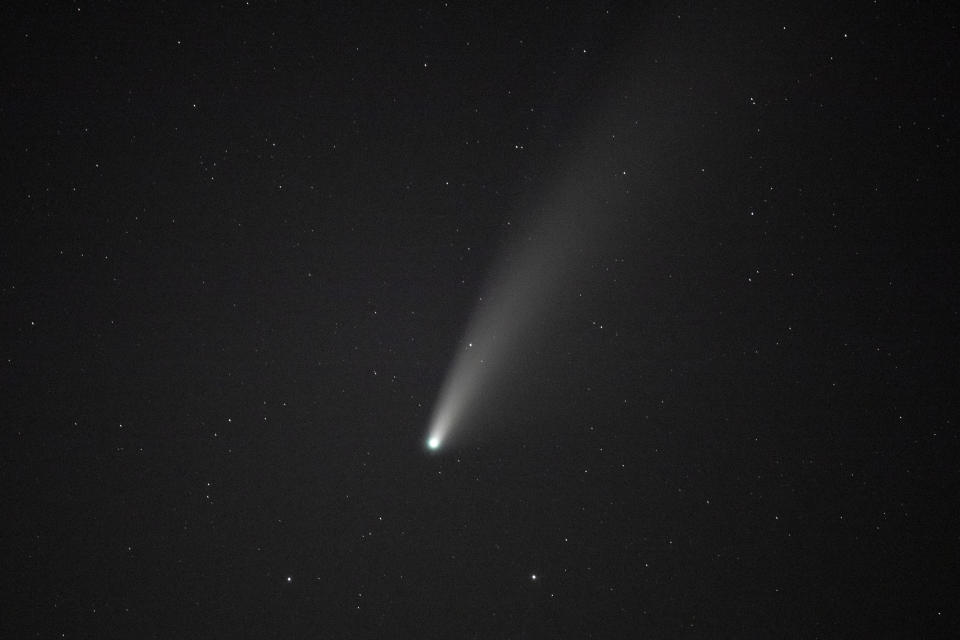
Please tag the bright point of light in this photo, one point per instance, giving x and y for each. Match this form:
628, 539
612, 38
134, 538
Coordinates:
439, 429
533, 577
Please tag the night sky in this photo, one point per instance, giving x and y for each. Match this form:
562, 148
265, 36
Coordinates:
244, 245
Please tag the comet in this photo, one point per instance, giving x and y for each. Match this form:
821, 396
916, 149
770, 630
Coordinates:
619, 164
519, 309
610, 182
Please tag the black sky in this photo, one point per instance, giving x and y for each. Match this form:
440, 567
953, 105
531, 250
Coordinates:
240, 245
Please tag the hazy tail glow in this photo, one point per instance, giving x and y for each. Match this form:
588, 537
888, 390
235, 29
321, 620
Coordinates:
537, 277
516, 312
